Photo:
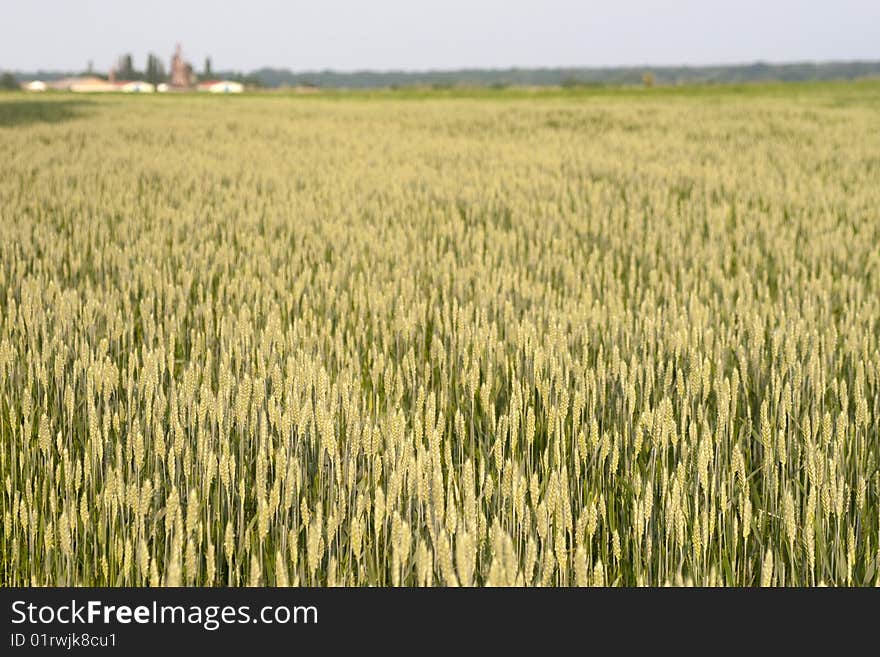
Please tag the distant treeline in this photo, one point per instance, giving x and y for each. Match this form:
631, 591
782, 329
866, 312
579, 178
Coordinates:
574, 76
757, 72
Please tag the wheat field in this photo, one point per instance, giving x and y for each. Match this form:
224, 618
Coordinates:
520, 339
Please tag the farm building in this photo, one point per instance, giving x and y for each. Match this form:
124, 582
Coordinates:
34, 85
90, 85
135, 86
99, 85
221, 87
65, 84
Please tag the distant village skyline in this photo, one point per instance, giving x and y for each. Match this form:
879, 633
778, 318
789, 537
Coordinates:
180, 70
122, 76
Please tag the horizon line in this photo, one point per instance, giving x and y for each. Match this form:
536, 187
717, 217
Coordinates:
734, 64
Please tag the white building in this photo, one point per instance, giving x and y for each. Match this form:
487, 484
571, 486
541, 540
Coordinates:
221, 87
35, 85
135, 86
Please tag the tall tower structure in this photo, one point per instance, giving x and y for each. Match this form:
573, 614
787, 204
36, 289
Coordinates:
181, 71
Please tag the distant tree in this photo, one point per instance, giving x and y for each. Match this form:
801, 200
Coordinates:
125, 70
208, 72
160, 68
8, 82
571, 82
155, 72
91, 67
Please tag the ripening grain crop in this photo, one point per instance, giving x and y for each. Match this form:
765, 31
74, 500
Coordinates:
571, 339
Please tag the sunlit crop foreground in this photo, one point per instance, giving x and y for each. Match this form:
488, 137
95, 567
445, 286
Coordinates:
513, 339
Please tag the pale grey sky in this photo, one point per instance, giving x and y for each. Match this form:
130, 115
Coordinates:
435, 34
